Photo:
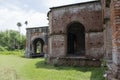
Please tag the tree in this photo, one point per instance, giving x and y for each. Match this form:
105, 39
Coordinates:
19, 25
12, 40
26, 23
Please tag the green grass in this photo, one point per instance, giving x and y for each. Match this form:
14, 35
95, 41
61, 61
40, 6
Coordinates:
13, 67
16, 52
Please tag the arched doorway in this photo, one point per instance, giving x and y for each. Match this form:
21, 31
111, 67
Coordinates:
76, 39
38, 46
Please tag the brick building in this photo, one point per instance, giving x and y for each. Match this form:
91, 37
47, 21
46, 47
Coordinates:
36, 40
81, 35
76, 33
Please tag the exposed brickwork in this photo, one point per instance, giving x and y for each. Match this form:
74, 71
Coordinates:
94, 45
113, 21
102, 35
100, 28
107, 30
74, 61
33, 34
90, 16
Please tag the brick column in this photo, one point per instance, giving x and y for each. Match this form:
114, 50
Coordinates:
114, 68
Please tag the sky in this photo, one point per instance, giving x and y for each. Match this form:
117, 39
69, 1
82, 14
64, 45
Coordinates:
33, 11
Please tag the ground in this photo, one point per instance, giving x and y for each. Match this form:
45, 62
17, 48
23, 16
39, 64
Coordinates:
19, 68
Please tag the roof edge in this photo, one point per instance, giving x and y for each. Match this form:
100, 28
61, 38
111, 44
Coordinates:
38, 27
74, 4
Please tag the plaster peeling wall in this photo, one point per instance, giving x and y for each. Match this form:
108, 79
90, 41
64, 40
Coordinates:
89, 15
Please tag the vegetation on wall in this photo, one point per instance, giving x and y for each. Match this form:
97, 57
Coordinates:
11, 40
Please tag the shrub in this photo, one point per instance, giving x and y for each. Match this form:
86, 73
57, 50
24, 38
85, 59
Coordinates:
3, 48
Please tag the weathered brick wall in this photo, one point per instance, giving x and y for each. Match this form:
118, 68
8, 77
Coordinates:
31, 35
115, 21
108, 41
114, 68
28, 51
107, 30
89, 15
57, 46
94, 45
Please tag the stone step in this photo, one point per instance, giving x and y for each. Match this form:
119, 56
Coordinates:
78, 61
34, 55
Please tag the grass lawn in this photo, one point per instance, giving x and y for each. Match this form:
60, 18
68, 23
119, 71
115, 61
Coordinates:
18, 68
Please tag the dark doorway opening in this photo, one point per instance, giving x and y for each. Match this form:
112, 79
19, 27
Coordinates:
76, 39
38, 47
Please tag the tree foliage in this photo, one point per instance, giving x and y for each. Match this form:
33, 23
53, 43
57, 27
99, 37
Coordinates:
11, 40
19, 24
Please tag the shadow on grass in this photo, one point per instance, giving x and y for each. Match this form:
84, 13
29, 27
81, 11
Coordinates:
97, 72
22, 56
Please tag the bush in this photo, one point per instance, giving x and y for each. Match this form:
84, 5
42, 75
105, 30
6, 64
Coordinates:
3, 48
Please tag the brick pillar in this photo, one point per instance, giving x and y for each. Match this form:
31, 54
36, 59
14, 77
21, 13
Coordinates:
28, 44
114, 68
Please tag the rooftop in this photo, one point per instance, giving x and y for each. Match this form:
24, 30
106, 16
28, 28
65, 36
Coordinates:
37, 27
74, 4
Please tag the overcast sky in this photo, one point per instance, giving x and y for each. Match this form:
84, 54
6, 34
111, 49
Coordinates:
34, 11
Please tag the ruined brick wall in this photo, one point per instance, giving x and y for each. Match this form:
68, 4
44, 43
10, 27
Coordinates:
107, 30
115, 21
27, 49
95, 45
108, 41
89, 15
114, 67
31, 35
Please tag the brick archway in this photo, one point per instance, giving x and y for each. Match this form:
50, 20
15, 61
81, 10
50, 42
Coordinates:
76, 39
36, 36
38, 44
